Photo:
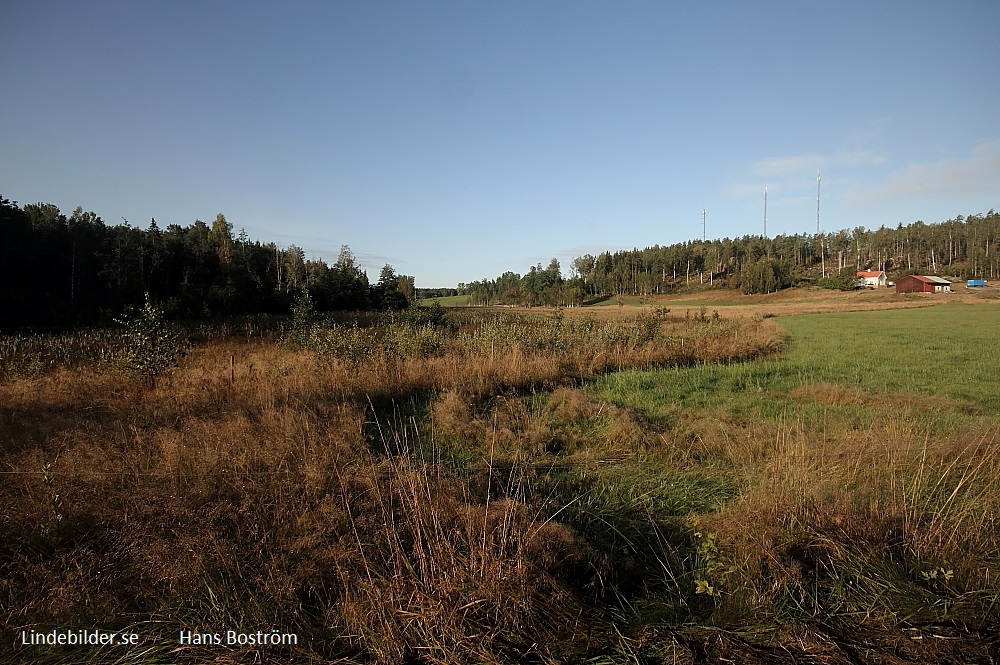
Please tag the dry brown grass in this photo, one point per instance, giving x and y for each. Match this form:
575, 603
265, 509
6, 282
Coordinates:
257, 503
788, 302
259, 486
831, 394
477, 506
887, 527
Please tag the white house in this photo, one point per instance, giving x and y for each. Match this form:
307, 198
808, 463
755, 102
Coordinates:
871, 279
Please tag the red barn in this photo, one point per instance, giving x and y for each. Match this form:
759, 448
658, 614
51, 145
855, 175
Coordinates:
922, 284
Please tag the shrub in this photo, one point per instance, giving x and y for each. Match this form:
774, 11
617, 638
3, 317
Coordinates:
410, 341
152, 347
351, 344
303, 320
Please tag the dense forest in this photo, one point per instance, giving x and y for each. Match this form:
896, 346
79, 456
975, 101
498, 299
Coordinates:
963, 247
62, 271
58, 271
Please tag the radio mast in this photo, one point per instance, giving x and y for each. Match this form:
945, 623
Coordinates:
817, 202
765, 212
822, 244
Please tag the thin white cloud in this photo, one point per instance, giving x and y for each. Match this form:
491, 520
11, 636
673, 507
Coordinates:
796, 165
780, 167
795, 173
975, 175
858, 158
869, 132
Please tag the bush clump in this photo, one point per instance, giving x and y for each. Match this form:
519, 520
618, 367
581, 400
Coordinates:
152, 347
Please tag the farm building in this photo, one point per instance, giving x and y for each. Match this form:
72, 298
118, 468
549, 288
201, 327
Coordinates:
871, 279
922, 284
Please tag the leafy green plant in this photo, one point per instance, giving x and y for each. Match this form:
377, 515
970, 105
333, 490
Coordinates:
710, 566
351, 344
303, 320
411, 341
152, 347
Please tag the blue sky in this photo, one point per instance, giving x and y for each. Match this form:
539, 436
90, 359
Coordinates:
458, 140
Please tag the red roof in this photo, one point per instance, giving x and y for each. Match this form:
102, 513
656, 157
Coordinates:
869, 273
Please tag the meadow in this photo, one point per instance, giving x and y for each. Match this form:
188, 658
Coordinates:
447, 301
469, 486
945, 352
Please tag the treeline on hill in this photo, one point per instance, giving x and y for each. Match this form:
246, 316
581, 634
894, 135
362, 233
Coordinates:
426, 294
59, 271
964, 247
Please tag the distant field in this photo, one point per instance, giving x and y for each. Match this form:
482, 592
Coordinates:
950, 350
448, 301
935, 353
789, 302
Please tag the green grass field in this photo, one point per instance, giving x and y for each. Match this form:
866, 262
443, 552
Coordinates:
448, 301
947, 352
952, 350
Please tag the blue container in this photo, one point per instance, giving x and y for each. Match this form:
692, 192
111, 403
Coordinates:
976, 282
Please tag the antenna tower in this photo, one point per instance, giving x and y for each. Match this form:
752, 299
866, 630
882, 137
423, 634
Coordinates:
817, 202
765, 212
703, 225
822, 242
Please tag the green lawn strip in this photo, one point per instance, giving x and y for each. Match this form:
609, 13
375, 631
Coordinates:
950, 352
446, 301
